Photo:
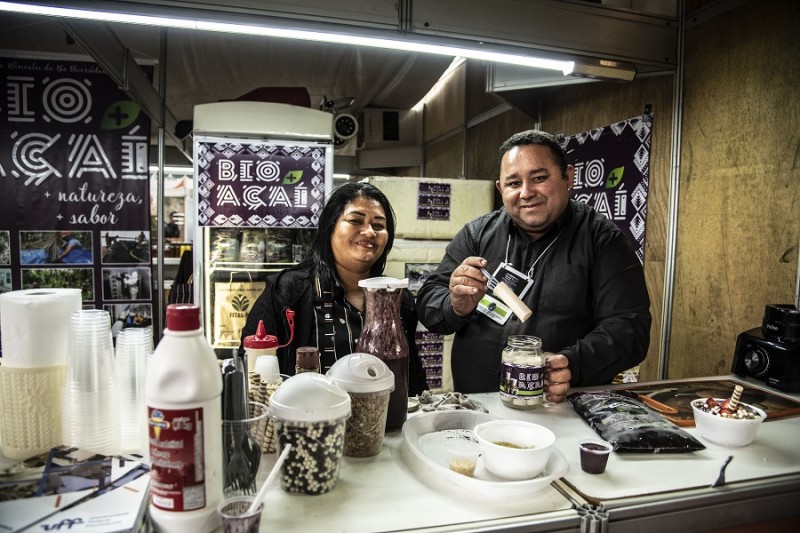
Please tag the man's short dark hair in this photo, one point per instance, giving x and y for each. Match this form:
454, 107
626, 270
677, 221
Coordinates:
541, 138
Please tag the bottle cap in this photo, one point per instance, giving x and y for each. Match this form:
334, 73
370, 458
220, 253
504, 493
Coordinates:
183, 317
261, 340
361, 373
307, 357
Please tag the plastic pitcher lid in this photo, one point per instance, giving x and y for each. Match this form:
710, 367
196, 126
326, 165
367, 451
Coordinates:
261, 341
362, 372
384, 282
309, 397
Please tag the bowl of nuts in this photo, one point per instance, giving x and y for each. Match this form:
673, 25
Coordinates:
728, 425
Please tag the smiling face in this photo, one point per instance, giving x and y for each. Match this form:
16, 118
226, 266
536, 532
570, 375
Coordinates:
534, 190
360, 235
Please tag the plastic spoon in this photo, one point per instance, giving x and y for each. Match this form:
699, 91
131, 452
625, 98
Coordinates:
262, 492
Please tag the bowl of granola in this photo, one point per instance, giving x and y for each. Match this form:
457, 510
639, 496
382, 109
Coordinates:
716, 422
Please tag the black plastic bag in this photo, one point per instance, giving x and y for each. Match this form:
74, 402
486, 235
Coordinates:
630, 426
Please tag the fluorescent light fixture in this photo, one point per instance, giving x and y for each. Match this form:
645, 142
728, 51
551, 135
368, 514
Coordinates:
267, 31
604, 69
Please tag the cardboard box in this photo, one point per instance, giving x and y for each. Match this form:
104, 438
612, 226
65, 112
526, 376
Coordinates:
435, 208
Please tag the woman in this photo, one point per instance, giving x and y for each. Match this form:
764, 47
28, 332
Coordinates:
355, 234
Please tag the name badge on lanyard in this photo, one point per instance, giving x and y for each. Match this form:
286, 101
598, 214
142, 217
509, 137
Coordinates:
519, 282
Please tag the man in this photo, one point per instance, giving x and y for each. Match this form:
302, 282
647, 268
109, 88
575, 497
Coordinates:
70, 243
171, 228
570, 265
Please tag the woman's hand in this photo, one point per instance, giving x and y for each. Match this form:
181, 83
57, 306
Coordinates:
556, 377
467, 285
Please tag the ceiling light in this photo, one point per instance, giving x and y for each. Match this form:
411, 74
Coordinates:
416, 45
604, 69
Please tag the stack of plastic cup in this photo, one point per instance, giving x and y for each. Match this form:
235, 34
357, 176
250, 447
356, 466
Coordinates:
134, 347
90, 418
267, 367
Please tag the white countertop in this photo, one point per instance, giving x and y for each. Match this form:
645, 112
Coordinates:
774, 452
384, 493
389, 492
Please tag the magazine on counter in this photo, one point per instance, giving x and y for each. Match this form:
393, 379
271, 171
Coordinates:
71, 489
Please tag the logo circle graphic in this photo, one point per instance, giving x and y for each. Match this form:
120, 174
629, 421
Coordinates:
593, 173
268, 170
67, 100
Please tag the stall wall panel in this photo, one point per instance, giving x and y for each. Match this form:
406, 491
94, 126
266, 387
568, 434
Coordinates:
484, 140
740, 189
444, 111
444, 159
478, 101
578, 108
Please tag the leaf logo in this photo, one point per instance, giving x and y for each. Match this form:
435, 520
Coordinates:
120, 114
292, 177
240, 303
614, 177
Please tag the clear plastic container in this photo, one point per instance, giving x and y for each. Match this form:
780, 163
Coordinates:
383, 337
522, 372
310, 412
134, 348
90, 396
369, 382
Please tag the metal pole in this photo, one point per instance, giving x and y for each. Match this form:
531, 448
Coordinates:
674, 189
162, 85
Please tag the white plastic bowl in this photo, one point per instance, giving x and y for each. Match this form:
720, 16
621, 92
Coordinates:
730, 432
526, 462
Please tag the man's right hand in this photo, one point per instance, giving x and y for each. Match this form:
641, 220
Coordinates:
467, 285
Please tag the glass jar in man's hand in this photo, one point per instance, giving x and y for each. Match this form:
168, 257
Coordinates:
383, 337
522, 372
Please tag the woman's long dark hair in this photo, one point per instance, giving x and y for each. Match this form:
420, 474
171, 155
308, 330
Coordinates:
321, 253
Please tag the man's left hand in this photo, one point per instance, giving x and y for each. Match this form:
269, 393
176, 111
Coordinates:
556, 377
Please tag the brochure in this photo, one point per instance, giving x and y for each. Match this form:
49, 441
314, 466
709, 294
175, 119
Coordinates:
74, 490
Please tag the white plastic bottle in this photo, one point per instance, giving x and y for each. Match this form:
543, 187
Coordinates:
259, 345
184, 411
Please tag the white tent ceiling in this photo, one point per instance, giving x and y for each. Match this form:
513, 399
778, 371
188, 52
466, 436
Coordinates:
203, 67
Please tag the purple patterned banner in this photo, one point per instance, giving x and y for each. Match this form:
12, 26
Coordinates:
612, 168
74, 185
244, 182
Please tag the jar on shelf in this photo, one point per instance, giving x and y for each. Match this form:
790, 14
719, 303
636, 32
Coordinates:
522, 372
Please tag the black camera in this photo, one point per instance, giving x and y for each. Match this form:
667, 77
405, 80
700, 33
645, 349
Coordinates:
771, 353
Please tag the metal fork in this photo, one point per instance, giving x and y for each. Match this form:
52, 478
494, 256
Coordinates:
491, 281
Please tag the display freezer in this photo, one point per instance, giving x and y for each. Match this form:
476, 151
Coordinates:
262, 174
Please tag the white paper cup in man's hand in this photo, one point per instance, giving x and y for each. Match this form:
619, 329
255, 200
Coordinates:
513, 301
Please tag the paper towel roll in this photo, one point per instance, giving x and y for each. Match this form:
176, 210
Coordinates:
34, 325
